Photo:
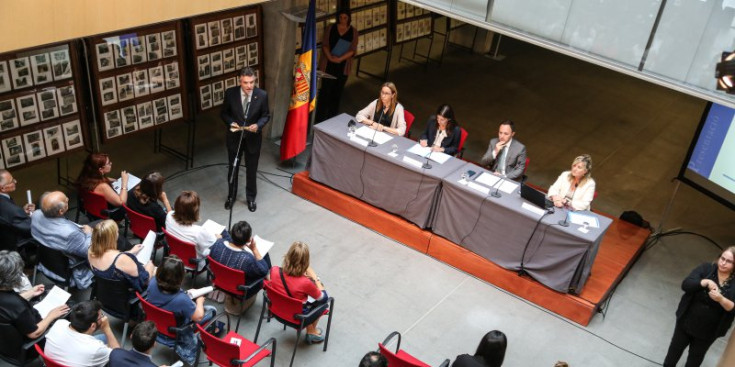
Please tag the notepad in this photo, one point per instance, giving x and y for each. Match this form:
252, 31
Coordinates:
55, 298
213, 227
263, 245
132, 182
144, 255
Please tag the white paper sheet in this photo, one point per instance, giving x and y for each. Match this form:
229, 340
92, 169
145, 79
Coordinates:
480, 188
358, 140
439, 157
508, 186
533, 209
55, 298
213, 227
132, 182
198, 292
419, 150
412, 161
487, 179
263, 245
370, 134
581, 219
144, 255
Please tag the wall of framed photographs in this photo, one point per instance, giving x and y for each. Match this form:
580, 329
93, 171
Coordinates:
137, 78
326, 11
411, 23
224, 43
40, 105
371, 19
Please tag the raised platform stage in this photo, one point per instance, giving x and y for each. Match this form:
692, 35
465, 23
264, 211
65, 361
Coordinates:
621, 245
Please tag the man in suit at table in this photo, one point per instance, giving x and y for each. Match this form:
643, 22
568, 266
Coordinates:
506, 156
245, 113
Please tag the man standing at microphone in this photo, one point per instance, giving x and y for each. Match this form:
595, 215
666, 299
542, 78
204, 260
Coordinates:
245, 113
505, 156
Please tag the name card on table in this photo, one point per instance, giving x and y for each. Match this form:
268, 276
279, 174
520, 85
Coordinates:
358, 140
412, 161
480, 188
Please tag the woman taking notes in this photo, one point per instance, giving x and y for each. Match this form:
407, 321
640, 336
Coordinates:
442, 132
385, 113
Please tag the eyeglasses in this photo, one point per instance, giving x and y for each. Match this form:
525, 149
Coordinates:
726, 260
386, 93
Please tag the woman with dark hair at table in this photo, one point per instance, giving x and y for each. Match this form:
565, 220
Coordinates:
339, 46
442, 133
144, 198
384, 113
574, 189
706, 309
93, 178
490, 352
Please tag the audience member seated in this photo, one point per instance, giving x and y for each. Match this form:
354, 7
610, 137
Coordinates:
50, 228
143, 338
144, 198
384, 113
180, 223
300, 282
15, 309
15, 222
373, 359
72, 342
505, 156
490, 352
235, 254
93, 178
574, 189
106, 262
164, 291
442, 133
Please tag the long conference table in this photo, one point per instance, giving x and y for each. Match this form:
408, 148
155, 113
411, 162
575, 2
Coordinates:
500, 229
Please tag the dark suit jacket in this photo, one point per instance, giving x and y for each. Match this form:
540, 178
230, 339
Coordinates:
450, 143
258, 113
515, 161
15, 224
122, 357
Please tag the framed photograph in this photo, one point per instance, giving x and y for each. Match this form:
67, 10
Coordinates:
145, 115
2, 161
169, 43
383, 14
239, 26
383, 37
359, 20
67, 100
171, 72
108, 91
156, 79
227, 31
137, 51
47, 105
8, 115
52, 137
125, 87
20, 70
215, 36
409, 11
218, 93
201, 35
251, 26
253, 54
376, 16
35, 149
160, 111
204, 67
41, 65
4, 77
121, 51
228, 60
216, 60
140, 78
61, 64
104, 57
368, 18
13, 152
361, 46
205, 97
72, 135
175, 110
27, 110
241, 57
230, 82
113, 125
415, 29
129, 119
257, 78
153, 46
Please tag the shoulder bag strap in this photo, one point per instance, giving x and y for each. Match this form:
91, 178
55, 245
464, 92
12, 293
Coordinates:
283, 279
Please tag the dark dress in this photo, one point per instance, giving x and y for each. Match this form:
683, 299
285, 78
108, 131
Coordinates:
151, 209
17, 311
139, 283
331, 91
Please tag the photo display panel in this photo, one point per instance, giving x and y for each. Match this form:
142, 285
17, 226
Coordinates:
411, 22
371, 19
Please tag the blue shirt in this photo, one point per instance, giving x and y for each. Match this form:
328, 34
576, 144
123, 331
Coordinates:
66, 236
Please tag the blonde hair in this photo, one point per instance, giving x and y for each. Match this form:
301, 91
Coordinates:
296, 260
104, 238
587, 160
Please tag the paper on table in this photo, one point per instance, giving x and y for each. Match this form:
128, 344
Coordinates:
439, 157
412, 161
132, 182
508, 186
198, 292
532, 208
144, 255
55, 298
581, 219
426, 152
480, 188
419, 150
487, 179
263, 245
374, 135
359, 140
213, 227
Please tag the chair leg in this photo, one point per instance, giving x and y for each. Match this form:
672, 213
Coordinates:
242, 309
260, 320
295, 345
329, 325
124, 334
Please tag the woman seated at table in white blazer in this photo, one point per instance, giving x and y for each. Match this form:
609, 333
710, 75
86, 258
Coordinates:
574, 189
385, 113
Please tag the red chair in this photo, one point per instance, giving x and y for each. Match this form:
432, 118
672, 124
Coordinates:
186, 251
165, 322
231, 281
141, 224
400, 358
409, 117
95, 207
528, 160
462, 138
289, 312
46, 360
233, 349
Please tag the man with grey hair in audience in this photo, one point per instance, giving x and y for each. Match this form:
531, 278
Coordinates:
53, 230
15, 222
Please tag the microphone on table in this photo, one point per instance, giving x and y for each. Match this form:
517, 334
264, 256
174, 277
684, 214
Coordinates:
496, 194
372, 142
426, 165
351, 123
565, 222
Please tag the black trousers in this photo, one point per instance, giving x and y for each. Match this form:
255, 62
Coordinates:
681, 339
251, 167
329, 97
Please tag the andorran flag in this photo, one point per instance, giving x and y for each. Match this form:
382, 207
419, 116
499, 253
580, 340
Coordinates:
303, 95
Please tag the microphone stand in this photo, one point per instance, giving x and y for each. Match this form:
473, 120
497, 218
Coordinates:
426, 165
565, 222
496, 194
232, 176
372, 142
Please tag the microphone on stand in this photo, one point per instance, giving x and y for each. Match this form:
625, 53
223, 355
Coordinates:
426, 165
565, 222
496, 194
372, 142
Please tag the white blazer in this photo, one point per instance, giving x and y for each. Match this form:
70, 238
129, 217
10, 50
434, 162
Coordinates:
583, 195
398, 122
